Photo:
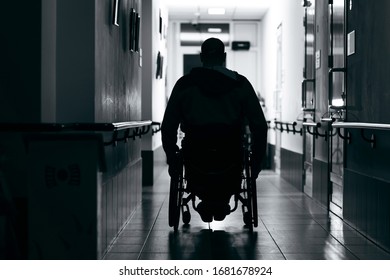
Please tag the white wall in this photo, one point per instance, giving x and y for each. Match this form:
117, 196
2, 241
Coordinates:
246, 62
160, 45
290, 15
153, 90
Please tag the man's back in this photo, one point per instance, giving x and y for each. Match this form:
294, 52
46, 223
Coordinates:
212, 105
210, 102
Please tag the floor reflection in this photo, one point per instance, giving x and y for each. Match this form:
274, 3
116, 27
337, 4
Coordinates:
291, 227
209, 244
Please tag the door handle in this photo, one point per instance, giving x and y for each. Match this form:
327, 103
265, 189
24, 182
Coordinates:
330, 85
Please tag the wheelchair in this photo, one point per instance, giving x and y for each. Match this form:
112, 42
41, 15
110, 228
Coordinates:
180, 196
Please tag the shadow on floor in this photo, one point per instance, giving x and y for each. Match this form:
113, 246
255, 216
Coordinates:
208, 244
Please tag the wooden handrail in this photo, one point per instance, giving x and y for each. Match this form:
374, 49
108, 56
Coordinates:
55, 127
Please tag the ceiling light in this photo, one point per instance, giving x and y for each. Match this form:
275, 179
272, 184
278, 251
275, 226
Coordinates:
216, 11
214, 30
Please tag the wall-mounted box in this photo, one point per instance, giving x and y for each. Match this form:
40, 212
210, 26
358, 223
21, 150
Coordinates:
241, 45
318, 59
351, 39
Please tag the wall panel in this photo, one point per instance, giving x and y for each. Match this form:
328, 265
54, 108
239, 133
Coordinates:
291, 167
367, 206
367, 178
320, 181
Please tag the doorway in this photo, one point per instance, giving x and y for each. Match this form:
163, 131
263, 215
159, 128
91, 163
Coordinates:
308, 96
337, 97
190, 61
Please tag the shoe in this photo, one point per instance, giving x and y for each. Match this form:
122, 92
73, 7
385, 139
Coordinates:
220, 211
204, 211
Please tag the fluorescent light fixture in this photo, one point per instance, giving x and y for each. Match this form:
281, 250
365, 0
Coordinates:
214, 30
216, 11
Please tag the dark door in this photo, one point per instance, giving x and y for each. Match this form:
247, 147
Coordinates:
337, 97
190, 61
308, 95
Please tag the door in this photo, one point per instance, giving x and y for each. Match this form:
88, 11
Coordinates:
190, 61
337, 97
308, 95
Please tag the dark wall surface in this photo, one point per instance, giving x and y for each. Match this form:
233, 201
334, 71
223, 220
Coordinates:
369, 67
367, 177
369, 87
20, 57
94, 78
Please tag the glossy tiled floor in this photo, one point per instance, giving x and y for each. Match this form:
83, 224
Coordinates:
291, 226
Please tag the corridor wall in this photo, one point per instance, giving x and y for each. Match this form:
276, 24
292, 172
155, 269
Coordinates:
281, 77
20, 93
367, 177
66, 62
117, 98
366, 181
154, 41
320, 160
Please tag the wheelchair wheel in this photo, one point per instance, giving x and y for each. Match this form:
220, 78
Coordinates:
175, 197
250, 215
176, 194
253, 190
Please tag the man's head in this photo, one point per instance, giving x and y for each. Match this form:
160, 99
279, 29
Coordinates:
213, 52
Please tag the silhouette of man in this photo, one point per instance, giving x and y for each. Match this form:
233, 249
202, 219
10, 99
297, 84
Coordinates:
212, 104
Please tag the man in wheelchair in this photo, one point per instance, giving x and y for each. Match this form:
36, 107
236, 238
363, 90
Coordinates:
213, 105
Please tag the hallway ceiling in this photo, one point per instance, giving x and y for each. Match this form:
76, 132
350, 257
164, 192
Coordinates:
197, 10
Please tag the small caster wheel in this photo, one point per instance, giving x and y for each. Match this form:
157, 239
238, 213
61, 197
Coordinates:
186, 217
247, 218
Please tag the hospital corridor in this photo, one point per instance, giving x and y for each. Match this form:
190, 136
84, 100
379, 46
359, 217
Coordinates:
84, 87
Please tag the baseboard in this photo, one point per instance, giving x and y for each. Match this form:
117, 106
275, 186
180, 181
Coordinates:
291, 167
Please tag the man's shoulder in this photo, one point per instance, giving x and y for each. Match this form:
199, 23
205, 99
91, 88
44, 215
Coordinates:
241, 77
183, 83
186, 79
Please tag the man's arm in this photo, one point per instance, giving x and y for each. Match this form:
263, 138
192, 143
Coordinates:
257, 124
170, 125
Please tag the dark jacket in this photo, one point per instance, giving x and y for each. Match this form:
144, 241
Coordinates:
211, 107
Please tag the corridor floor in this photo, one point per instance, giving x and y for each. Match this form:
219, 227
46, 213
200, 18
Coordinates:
291, 226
